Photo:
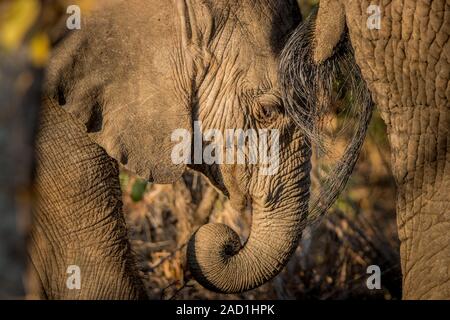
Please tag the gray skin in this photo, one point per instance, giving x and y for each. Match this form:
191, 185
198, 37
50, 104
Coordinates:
406, 68
115, 92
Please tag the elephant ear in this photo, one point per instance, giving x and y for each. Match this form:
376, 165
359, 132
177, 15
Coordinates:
130, 90
329, 28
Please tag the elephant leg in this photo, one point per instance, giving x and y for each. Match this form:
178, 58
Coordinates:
79, 231
421, 165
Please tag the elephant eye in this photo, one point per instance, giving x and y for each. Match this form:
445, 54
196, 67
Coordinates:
267, 112
268, 108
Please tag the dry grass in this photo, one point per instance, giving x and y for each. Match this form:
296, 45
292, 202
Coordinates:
330, 262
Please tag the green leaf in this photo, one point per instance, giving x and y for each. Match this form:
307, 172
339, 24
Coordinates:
138, 190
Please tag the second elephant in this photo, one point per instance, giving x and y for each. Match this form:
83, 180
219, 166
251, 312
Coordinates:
402, 50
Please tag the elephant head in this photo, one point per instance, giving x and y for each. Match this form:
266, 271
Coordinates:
299, 87
240, 90
136, 74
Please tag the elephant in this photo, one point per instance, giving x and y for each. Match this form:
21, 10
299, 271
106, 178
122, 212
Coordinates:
115, 92
399, 52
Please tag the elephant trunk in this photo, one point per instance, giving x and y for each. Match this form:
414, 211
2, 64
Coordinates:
220, 263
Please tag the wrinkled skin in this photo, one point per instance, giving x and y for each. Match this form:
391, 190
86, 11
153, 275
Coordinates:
405, 65
78, 219
115, 92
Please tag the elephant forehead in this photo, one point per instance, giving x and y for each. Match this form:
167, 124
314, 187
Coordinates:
263, 72
269, 22
240, 59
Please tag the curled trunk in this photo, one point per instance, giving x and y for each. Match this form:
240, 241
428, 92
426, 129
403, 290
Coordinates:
220, 263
